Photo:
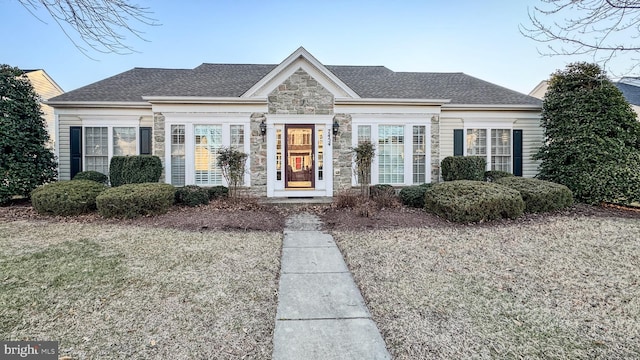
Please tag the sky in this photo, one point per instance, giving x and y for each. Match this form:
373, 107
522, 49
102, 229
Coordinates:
479, 38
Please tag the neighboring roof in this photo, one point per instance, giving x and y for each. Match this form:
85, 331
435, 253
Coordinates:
232, 80
630, 92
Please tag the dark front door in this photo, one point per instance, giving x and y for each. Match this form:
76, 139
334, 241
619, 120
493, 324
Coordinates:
299, 158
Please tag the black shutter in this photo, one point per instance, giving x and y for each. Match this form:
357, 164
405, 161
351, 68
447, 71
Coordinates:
145, 141
458, 142
517, 152
75, 140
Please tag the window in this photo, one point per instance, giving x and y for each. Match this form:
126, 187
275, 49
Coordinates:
364, 133
496, 147
237, 137
419, 155
103, 142
390, 154
177, 155
96, 155
208, 139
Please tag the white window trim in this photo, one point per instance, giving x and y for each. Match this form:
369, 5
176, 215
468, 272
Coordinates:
496, 125
190, 121
408, 121
109, 124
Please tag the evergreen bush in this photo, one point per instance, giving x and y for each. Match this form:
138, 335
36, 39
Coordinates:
93, 176
218, 192
473, 201
494, 175
463, 168
538, 195
66, 198
134, 169
192, 195
134, 200
413, 196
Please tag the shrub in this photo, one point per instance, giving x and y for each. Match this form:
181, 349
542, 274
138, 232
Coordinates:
381, 190
413, 196
133, 200
66, 198
494, 175
192, 195
232, 165
347, 199
538, 195
93, 176
217, 192
134, 169
473, 201
463, 168
363, 155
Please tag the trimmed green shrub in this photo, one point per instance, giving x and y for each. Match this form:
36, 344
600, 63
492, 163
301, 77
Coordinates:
494, 175
381, 190
134, 169
192, 195
66, 198
218, 192
134, 200
463, 168
538, 195
413, 196
473, 201
93, 176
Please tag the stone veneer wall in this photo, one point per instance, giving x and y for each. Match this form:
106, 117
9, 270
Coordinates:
257, 158
342, 155
435, 148
159, 140
300, 94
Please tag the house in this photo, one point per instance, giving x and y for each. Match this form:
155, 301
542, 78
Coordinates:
629, 86
298, 121
46, 89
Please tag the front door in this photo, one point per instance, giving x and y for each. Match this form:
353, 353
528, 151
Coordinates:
299, 168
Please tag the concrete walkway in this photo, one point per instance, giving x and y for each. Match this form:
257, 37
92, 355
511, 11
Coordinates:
321, 313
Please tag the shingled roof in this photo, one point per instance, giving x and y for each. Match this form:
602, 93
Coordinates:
233, 80
630, 92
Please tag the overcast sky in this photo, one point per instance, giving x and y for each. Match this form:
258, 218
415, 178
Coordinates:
479, 38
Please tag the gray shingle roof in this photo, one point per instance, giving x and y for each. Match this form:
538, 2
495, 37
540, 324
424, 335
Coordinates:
630, 92
232, 80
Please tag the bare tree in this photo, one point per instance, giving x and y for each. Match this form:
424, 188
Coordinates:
600, 28
102, 25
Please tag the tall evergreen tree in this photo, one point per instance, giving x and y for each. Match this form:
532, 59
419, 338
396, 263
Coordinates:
592, 137
25, 161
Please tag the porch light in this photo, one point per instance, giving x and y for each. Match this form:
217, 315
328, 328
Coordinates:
335, 128
263, 129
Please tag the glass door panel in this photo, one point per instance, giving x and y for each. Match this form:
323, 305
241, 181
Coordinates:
299, 146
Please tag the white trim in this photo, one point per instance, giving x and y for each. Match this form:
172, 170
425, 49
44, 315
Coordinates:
467, 107
204, 100
386, 101
300, 58
56, 143
100, 104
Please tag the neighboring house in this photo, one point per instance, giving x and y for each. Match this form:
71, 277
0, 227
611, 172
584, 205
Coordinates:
298, 121
46, 88
629, 86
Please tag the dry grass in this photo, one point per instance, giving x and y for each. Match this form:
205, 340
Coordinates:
116, 292
562, 288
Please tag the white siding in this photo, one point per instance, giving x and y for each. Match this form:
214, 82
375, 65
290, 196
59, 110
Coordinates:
64, 160
532, 136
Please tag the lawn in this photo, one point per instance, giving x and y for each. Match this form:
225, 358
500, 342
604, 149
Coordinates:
133, 292
556, 288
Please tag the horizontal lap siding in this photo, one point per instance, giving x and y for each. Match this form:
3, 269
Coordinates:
532, 135
446, 136
64, 159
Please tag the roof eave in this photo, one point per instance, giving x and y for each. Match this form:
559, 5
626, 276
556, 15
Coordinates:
391, 101
497, 107
203, 100
101, 104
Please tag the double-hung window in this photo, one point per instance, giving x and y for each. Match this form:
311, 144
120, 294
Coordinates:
103, 142
193, 149
492, 143
401, 155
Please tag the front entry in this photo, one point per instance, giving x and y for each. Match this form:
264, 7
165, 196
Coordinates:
299, 157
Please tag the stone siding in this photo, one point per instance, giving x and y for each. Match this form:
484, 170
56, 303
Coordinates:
435, 148
257, 158
342, 155
159, 140
300, 94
